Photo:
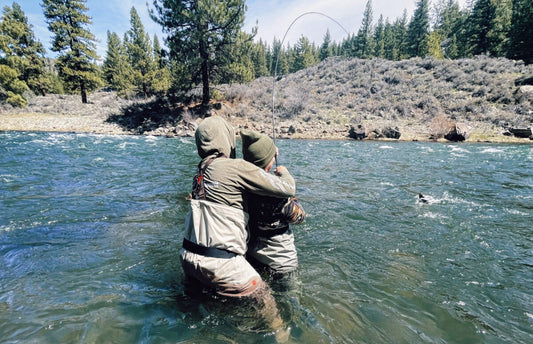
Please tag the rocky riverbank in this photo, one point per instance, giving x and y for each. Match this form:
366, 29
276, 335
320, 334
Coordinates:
414, 100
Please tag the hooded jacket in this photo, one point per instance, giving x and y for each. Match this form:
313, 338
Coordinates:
220, 219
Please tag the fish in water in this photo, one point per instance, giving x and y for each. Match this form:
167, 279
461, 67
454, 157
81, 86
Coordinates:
422, 198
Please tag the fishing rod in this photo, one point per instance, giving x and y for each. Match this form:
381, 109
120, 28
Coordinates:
276, 66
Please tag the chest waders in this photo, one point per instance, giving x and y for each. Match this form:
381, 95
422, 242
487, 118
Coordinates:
198, 193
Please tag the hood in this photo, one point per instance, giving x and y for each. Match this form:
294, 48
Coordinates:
215, 135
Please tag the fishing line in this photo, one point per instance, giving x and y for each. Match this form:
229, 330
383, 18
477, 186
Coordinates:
276, 66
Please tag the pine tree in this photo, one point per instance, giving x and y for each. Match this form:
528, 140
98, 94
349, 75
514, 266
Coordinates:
451, 26
388, 41
140, 54
259, 59
521, 31
116, 68
240, 67
326, 49
400, 50
160, 77
500, 26
280, 62
200, 33
434, 42
364, 43
304, 55
418, 30
20, 51
379, 38
75, 43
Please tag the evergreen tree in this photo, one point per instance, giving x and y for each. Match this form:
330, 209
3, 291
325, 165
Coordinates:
75, 43
434, 42
20, 51
326, 49
500, 26
160, 78
388, 41
521, 31
200, 33
451, 26
259, 59
489, 24
379, 38
364, 43
140, 54
400, 50
239, 66
116, 68
418, 30
280, 60
304, 55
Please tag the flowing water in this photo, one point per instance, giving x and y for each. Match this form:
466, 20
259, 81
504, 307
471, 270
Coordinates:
90, 228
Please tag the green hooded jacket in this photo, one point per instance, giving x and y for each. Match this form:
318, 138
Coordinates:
220, 220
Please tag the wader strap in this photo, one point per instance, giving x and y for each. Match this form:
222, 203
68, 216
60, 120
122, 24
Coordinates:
198, 189
207, 251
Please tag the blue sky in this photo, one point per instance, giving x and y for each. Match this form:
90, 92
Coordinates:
273, 18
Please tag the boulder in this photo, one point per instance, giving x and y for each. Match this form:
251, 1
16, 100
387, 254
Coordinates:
458, 132
358, 132
521, 132
391, 133
524, 81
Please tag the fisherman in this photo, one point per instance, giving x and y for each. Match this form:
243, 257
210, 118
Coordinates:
215, 239
272, 241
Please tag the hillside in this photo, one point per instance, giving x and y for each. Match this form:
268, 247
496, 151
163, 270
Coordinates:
409, 94
416, 96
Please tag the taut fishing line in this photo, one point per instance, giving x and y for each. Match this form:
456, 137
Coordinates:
276, 66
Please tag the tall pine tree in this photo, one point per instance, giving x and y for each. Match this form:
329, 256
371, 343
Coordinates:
418, 30
200, 33
140, 54
116, 68
521, 32
68, 21
364, 44
22, 51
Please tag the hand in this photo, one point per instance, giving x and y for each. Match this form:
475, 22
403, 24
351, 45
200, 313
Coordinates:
280, 170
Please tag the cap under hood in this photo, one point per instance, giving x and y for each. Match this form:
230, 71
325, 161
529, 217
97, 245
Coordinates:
214, 135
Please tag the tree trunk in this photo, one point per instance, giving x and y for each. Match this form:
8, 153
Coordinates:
205, 73
83, 93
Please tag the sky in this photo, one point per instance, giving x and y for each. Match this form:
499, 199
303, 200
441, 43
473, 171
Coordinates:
272, 17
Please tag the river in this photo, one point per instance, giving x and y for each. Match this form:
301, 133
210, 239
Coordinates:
91, 226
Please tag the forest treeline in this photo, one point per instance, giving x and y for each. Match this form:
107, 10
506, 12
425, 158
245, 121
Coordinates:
205, 45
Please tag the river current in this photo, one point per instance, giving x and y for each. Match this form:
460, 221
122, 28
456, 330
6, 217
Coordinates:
91, 226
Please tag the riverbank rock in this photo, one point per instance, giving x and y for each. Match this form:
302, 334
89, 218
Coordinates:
357, 132
519, 132
458, 132
391, 133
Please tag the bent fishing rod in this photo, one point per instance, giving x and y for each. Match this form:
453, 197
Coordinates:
276, 66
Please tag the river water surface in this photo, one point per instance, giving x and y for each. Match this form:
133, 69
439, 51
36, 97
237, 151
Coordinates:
91, 226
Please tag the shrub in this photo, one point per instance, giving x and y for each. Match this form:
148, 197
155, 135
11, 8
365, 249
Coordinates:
440, 126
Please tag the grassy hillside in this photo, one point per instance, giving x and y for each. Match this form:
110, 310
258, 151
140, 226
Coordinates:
414, 95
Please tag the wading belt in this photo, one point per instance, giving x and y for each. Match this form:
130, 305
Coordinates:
207, 251
198, 188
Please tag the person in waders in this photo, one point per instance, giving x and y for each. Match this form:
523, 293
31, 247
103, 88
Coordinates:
271, 246
216, 235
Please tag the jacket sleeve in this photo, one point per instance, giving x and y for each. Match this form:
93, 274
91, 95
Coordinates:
260, 182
